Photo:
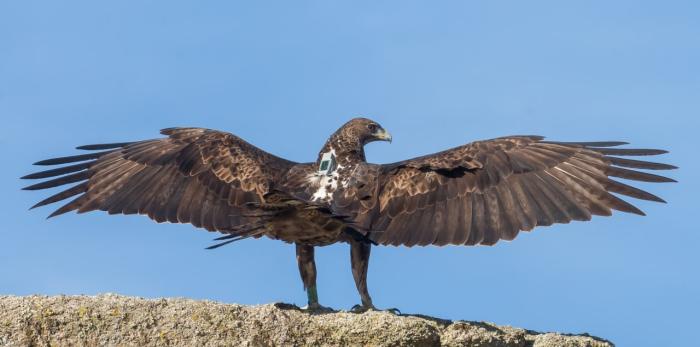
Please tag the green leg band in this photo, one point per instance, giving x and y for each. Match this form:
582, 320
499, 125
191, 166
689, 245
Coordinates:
312, 295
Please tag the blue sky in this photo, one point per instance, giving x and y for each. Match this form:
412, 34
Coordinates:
435, 74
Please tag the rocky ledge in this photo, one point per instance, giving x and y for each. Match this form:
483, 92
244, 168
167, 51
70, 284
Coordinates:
114, 320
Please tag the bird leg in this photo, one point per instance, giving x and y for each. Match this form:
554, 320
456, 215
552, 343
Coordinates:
359, 258
307, 270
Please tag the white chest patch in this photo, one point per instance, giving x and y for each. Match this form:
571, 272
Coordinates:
326, 178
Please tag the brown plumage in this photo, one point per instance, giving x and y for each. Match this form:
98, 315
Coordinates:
478, 193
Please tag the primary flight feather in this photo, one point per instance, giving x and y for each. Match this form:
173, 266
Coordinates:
478, 193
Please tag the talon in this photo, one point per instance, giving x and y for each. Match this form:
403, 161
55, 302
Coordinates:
286, 306
393, 310
362, 308
316, 307
358, 309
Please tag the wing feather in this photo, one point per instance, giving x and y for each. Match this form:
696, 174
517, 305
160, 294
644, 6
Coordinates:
527, 212
493, 220
639, 164
573, 206
122, 198
75, 190
538, 201
465, 221
510, 220
478, 220
57, 172
72, 178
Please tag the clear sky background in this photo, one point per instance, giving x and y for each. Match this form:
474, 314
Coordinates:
284, 75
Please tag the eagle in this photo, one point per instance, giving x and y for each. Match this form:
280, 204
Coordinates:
474, 194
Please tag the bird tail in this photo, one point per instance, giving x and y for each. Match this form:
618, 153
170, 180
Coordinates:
240, 232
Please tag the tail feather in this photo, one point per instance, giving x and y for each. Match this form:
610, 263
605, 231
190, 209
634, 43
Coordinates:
242, 232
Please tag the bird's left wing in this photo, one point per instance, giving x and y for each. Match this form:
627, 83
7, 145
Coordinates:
490, 190
194, 175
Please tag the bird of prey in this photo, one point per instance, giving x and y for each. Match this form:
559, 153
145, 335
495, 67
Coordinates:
474, 194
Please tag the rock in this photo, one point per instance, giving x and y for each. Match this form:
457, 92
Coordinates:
114, 320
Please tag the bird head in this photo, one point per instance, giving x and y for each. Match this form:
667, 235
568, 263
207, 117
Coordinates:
364, 131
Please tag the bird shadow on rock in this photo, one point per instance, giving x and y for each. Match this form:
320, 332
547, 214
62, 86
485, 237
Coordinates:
439, 321
492, 328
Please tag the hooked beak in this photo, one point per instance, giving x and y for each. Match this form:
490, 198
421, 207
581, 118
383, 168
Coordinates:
383, 135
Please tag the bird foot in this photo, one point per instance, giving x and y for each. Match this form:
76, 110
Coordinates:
365, 308
317, 308
393, 310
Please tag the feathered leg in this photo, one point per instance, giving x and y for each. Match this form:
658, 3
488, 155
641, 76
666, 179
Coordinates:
307, 270
359, 257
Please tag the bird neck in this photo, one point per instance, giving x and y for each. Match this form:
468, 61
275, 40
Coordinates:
346, 151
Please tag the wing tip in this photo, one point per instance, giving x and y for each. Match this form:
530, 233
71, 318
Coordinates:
54, 214
220, 244
661, 179
591, 144
605, 143
73, 158
101, 146
658, 151
169, 131
44, 162
64, 209
630, 151
652, 197
38, 186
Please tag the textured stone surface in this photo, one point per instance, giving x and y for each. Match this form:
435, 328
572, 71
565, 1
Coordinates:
113, 320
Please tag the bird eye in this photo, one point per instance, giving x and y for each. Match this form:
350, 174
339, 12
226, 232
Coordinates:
372, 127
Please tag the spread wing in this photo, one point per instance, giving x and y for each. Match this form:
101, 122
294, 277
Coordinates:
198, 176
490, 190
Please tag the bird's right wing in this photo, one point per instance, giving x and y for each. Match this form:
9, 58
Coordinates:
490, 190
194, 175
